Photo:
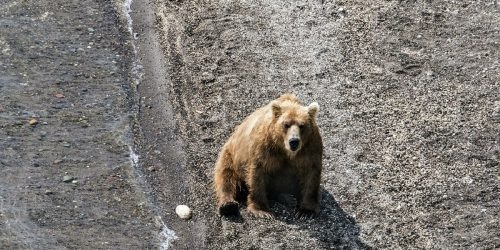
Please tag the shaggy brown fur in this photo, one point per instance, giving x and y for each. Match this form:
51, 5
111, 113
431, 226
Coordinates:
276, 148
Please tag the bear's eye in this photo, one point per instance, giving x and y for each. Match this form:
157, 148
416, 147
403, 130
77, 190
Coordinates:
301, 126
286, 125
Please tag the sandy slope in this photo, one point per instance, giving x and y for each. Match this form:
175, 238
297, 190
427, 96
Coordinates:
409, 92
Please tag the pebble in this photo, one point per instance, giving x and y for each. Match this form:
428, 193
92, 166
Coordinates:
496, 111
33, 122
207, 139
48, 192
68, 178
183, 211
207, 77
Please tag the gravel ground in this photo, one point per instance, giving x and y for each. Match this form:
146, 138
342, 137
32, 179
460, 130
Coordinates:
409, 94
409, 98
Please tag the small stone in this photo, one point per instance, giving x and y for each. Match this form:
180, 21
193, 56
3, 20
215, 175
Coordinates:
68, 178
207, 139
57, 161
152, 168
33, 122
48, 191
467, 180
496, 112
74, 181
59, 95
183, 211
207, 77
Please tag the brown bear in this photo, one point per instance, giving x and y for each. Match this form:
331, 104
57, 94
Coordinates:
278, 148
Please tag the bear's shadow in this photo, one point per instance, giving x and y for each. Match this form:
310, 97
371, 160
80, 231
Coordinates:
332, 227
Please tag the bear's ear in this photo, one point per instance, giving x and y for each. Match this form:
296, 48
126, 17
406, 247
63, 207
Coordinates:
313, 109
276, 109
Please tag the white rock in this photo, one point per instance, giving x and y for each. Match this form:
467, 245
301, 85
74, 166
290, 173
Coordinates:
183, 211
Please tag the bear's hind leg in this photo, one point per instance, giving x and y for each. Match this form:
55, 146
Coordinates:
226, 184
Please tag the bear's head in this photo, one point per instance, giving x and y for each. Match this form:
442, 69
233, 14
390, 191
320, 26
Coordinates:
294, 123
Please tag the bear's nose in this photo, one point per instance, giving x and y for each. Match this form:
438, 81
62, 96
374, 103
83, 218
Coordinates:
294, 143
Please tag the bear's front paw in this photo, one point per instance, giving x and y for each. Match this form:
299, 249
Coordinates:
229, 208
259, 213
305, 213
